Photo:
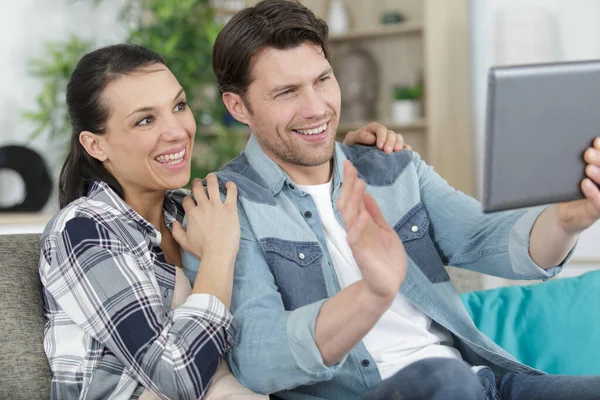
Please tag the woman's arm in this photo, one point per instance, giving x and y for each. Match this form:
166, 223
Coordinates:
212, 235
109, 290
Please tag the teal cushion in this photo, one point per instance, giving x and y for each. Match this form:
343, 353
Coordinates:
553, 326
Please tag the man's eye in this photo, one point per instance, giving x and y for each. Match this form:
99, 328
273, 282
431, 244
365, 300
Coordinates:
285, 93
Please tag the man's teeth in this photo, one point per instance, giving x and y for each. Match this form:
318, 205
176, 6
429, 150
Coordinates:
171, 159
314, 131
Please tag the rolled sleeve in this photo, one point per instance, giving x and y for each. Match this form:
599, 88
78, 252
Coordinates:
209, 308
301, 333
518, 247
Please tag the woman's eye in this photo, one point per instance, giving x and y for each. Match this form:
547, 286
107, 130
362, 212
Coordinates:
181, 106
323, 79
145, 121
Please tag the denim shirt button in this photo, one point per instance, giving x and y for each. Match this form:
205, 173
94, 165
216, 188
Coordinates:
365, 363
307, 214
414, 228
301, 256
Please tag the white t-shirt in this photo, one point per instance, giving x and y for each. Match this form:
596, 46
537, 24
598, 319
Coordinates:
403, 334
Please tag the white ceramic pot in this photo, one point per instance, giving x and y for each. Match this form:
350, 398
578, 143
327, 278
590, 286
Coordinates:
405, 111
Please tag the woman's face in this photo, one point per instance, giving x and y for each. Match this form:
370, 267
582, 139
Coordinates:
149, 132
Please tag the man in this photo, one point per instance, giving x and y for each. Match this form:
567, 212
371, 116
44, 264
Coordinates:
342, 295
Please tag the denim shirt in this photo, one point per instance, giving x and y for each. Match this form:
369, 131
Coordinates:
284, 272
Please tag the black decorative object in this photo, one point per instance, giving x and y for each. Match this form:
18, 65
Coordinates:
32, 169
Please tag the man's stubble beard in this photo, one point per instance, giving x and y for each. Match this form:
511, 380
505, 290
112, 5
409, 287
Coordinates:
296, 155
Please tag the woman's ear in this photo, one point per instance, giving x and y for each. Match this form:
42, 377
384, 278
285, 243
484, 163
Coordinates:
237, 107
94, 145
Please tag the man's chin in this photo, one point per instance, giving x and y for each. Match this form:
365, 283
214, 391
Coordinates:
314, 160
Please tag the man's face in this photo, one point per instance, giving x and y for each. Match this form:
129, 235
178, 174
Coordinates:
293, 105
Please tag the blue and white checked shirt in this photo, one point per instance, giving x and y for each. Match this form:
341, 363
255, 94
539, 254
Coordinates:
110, 330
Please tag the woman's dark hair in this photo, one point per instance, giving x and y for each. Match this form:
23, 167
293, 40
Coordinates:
89, 112
281, 24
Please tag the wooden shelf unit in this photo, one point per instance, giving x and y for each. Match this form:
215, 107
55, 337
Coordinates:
404, 28
433, 43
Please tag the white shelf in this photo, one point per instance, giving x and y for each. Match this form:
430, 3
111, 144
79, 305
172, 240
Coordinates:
17, 223
419, 125
404, 28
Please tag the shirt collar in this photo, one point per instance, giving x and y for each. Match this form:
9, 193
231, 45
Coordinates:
101, 191
268, 169
275, 177
338, 168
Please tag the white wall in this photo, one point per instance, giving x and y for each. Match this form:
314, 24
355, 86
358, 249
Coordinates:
25, 25
576, 35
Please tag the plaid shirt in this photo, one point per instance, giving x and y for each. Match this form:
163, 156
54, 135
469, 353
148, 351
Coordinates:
110, 330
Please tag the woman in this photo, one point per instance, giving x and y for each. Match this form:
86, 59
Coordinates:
122, 320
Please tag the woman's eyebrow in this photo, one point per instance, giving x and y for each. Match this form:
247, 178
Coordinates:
147, 108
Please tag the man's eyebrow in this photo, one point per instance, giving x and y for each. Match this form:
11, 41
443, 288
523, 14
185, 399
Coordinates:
326, 72
148, 108
283, 88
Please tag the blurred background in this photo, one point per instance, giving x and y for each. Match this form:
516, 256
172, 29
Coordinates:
417, 66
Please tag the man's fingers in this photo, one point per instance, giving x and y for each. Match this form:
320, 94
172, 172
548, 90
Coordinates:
592, 156
375, 212
592, 194
354, 205
355, 232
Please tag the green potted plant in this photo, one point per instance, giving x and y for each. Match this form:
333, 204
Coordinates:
406, 107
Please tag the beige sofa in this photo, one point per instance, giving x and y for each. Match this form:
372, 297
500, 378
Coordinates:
24, 372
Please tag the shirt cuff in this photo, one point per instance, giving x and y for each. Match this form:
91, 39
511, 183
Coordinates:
518, 247
301, 333
208, 308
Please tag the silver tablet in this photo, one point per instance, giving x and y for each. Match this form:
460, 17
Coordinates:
540, 119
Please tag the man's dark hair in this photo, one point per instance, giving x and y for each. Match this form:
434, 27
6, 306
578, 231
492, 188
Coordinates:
281, 24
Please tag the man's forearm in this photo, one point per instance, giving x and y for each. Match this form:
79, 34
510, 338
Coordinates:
345, 319
550, 241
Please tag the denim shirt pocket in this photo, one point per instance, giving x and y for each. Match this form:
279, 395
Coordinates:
297, 269
413, 230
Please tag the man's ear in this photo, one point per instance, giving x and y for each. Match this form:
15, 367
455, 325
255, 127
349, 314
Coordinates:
236, 107
94, 145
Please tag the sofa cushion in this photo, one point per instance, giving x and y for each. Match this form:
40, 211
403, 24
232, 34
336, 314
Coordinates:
550, 326
24, 371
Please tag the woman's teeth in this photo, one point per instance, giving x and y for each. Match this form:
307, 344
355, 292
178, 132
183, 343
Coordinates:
314, 131
171, 159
